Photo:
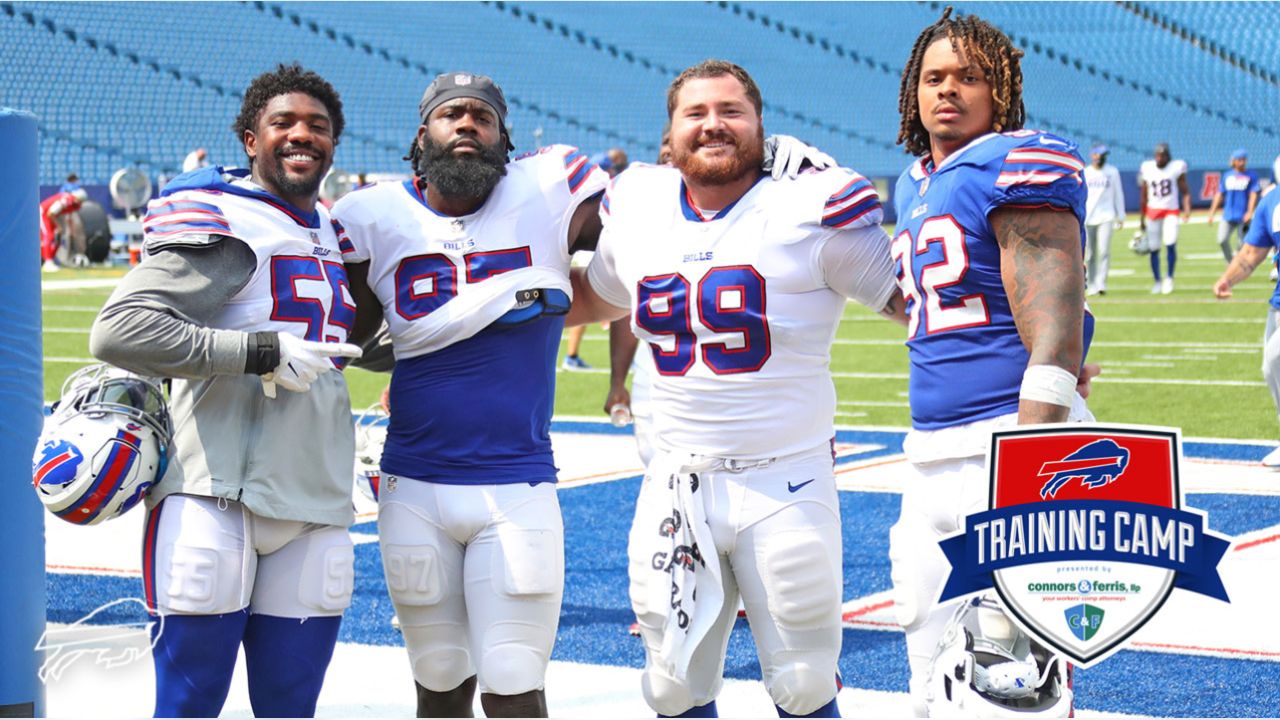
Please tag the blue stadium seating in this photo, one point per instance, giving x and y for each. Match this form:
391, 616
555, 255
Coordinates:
117, 84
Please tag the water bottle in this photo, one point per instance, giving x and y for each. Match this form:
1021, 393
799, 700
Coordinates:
620, 415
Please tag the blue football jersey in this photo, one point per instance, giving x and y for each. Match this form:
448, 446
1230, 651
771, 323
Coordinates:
1236, 188
1264, 231
966, 357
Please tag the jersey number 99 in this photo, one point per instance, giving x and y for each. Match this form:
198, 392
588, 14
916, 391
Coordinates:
729, 300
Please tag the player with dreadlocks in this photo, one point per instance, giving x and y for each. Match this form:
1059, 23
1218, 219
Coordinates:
988, 256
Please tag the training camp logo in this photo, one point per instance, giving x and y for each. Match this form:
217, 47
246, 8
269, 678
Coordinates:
1076, 498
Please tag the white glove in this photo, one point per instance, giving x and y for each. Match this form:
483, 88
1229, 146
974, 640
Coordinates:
784, 156
302, 361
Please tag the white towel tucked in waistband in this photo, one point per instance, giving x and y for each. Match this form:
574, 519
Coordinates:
691, 594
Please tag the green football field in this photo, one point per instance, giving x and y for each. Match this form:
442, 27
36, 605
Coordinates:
1185, 359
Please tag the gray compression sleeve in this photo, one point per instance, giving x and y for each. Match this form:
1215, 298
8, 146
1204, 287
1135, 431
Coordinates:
155, 323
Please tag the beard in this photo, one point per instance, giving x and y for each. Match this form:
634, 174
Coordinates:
288, 185
461, 176
746, 159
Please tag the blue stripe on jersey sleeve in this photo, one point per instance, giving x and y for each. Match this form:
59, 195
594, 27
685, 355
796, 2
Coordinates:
855, 186
173, 206
852, 213
195, 225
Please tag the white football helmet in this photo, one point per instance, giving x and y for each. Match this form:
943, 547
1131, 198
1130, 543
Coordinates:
985, 667
104, 446
1139, 243
371, 436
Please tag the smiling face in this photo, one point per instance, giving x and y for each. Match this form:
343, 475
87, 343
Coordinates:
291, 148
955, 100
716, 133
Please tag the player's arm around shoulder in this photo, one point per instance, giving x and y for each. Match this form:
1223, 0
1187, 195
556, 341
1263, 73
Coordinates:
354, 221
599, 293
854, 258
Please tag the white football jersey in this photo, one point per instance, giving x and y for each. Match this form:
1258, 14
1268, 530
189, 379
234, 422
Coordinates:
738, 309
419, 259
1162, 183
299, 285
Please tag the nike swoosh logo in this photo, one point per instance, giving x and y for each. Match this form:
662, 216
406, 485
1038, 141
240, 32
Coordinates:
793, 488
1049, 141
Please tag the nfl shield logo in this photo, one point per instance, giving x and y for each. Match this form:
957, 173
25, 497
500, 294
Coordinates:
461, 80
1086, 522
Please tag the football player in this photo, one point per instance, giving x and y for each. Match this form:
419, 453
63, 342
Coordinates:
1163, 185
736, 282
988, 253
1238, 197
469, 263
242, 299
1263, 237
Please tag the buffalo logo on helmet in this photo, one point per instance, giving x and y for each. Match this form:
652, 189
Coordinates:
56, 463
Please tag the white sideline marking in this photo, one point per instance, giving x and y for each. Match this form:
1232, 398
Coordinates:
86, 284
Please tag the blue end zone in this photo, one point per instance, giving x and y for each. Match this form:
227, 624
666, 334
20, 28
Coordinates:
596, 611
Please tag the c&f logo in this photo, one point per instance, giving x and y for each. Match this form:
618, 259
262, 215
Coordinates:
1094, 465
1084, 620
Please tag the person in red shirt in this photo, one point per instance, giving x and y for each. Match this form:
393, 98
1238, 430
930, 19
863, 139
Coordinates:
58, 214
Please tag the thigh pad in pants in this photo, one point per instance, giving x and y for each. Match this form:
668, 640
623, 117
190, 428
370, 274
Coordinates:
200, 556
311, 575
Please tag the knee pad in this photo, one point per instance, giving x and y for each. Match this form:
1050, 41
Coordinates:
328, 572
666, 695
802, 587
531, 562
800, 688
512, 669
910, 608
437, 666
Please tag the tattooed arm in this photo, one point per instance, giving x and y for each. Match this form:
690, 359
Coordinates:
1241, 267
1043, 273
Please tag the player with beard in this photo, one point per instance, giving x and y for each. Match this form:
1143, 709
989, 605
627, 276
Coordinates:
242, 291
737, 283
469, 263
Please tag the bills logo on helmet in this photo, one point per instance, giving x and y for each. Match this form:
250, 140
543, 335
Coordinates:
1094, 465
57, 463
